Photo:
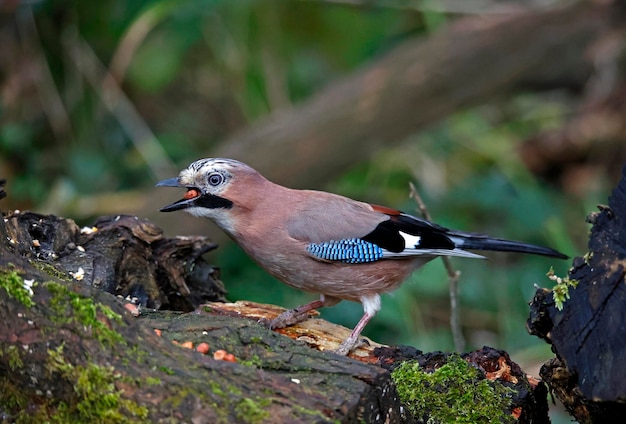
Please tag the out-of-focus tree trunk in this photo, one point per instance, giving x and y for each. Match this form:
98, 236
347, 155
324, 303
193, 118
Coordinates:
420, 82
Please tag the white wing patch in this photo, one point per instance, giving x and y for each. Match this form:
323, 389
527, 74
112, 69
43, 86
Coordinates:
410, 241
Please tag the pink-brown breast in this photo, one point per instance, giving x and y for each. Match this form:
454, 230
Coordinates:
276, 230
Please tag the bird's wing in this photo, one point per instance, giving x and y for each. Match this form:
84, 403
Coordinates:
341, 229
319, 217
406, 235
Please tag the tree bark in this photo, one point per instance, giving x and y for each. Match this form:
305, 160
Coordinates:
588, 335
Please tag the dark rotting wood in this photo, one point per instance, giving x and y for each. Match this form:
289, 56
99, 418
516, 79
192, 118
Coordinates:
588, 335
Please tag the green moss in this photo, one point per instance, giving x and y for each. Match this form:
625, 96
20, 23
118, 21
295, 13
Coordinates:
11, 397
96, 397
50, 270
166, 370
315, 414
560, 291
253, 361
454, 393
139, 355
183, 395
85, 311
246, 410
233, 390
252, 410
216, 388
13, 355
175, 401
16, 288
153, 381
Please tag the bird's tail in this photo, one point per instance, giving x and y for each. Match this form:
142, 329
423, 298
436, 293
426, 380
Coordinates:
481, 242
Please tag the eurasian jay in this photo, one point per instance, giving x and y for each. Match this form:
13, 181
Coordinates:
321, 242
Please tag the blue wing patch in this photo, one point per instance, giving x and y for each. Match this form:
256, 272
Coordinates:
351, 251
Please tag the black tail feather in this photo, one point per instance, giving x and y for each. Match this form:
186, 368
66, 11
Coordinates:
468, 241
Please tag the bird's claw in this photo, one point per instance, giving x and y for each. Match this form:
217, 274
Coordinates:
287, 318
349, 345
346, 347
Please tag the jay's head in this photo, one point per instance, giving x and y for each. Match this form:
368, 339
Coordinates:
215, 187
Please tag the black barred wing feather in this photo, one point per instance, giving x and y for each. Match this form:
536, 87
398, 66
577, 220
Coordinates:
405, 236
400, 236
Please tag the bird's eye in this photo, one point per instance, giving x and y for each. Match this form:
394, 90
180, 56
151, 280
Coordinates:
215, 179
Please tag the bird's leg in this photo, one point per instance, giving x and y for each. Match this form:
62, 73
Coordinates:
293, 316
371, 305
352, 341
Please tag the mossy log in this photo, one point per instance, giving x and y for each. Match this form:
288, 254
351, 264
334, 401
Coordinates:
588, 334
73, 353
72, 348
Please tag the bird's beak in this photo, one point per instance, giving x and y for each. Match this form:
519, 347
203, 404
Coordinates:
193, 198
181, 204
186, 202
171, 182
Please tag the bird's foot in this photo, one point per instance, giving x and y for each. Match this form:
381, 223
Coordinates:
344, 349
349, 344
287, 318
292, 316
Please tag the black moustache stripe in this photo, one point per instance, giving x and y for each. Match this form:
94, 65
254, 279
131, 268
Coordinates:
212, 201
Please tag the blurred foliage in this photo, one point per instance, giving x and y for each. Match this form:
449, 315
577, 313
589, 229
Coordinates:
196, 71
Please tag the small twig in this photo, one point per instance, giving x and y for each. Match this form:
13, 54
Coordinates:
453, 280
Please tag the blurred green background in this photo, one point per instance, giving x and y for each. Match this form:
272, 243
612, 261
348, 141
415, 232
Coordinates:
102, 99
